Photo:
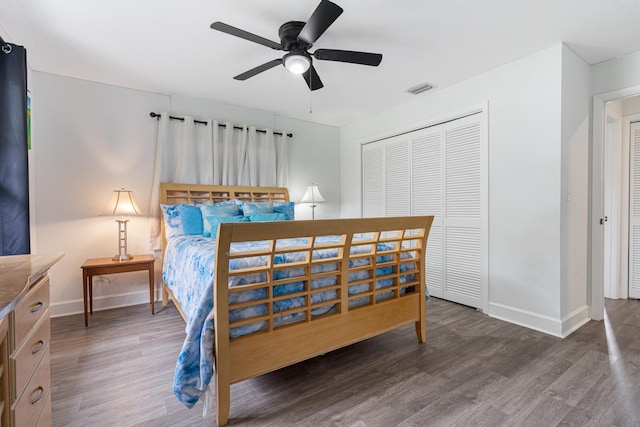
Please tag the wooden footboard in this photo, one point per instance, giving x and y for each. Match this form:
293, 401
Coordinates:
383, 259
386, 255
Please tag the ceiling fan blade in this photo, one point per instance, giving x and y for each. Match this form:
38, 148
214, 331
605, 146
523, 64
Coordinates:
324, 15
257, 70
364, 58
225, 28
313, 79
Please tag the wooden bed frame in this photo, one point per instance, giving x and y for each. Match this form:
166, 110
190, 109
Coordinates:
237, 359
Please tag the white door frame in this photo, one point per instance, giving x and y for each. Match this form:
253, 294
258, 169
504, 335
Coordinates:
596, 230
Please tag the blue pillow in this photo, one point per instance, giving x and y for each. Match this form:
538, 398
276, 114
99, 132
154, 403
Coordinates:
287, 208
214, 221
217, 210
180, 220
191, 219
257, 207
236, 202
270, 216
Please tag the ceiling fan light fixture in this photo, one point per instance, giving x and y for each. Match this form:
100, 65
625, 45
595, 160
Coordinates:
296, 38
296, 63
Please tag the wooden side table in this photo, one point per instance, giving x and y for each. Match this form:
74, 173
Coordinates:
101, 266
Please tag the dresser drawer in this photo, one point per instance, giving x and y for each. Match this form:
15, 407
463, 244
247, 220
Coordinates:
26, 357
46, 417
4, 373
28, 408
30, 309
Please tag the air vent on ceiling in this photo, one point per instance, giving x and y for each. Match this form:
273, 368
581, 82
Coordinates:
422, 87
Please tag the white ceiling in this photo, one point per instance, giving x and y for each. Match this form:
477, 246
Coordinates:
166, 46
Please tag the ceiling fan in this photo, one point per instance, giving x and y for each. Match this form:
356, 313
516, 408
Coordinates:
297, 38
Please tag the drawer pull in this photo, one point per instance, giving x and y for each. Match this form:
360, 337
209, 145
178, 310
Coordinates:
37, 307
39, 348
39, 396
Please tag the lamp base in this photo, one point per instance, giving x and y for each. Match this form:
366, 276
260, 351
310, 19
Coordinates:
122, 254
122, 257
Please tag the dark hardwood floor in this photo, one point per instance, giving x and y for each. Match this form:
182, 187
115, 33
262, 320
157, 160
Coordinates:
473, 371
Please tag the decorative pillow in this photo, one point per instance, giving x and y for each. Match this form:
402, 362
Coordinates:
262, 217
191, 219
257, 207
287, 208
217, 210
236, 202
180, 220
214, 221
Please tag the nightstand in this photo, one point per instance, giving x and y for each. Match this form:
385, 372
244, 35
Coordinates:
103, 266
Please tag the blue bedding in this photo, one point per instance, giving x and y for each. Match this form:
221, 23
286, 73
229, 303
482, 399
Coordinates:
188, 272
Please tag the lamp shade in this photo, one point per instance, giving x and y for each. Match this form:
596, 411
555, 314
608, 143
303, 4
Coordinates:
122, 203
312, 195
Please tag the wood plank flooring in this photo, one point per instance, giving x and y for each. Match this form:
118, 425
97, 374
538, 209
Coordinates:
473, 371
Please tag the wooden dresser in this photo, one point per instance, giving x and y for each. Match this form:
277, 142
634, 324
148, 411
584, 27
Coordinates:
25, 379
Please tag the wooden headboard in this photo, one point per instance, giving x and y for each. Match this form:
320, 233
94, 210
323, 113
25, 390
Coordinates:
173, 194
197, 194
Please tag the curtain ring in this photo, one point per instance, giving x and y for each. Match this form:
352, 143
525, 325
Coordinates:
6, 48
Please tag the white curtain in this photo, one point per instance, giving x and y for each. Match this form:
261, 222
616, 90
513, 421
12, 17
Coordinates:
194, 153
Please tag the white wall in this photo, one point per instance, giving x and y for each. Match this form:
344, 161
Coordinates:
314, 157
525, 179
576, 86
90, 138
616, 74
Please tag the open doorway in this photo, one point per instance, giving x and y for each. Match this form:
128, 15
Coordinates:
616, 190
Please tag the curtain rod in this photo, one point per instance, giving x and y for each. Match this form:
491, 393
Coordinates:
157, 116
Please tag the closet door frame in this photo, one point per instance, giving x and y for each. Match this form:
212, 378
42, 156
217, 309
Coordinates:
481, 110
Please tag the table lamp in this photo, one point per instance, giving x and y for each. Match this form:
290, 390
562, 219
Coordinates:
122, 204
312, 196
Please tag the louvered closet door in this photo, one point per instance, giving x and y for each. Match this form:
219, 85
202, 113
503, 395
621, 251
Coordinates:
397, 177
385, 182
634, 205
462, 225
426, 199
439, 171
373, 180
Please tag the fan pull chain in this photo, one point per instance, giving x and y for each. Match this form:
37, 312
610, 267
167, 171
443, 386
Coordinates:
310, 92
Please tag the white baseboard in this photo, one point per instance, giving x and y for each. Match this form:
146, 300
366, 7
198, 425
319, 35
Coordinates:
67, 308
573, 321
549, 325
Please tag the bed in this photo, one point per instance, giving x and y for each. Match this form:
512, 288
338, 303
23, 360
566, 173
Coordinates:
264, 295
